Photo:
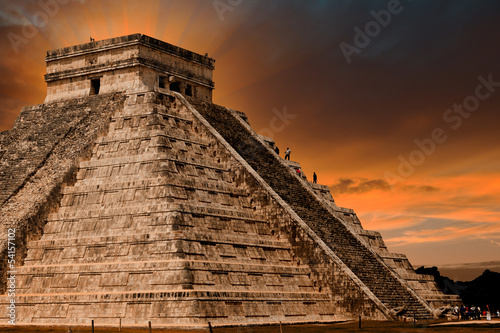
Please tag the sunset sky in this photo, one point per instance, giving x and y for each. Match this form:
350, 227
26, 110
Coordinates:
395, 105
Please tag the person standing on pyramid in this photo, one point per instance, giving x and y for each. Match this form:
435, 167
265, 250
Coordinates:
315, 178
287, 154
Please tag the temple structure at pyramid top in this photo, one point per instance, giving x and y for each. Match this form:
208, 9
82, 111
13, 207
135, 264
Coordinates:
128, 197
132, 63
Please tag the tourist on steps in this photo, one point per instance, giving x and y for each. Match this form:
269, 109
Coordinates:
277, 150
315, 178
287, 154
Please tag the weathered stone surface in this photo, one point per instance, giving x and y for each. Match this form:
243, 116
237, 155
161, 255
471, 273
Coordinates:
40, 156
141, 205
132, 63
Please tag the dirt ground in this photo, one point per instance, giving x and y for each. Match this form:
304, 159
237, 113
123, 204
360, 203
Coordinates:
368, 326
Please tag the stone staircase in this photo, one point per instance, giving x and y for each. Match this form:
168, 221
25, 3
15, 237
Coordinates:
392, 291
424, 285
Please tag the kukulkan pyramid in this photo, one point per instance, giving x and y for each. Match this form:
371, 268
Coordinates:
135, 199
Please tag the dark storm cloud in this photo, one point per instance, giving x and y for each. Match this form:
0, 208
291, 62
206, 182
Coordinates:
423, 28
362, 185
421, 188
359, 185
397, 88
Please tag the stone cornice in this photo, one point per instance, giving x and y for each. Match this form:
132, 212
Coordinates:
120, 42
132, 62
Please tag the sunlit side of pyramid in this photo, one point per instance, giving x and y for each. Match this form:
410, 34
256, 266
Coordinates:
136, 199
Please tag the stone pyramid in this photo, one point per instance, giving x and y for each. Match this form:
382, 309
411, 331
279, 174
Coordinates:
135, 199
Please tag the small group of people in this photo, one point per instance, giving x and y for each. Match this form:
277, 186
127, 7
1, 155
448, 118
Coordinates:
474, 312
288, 151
